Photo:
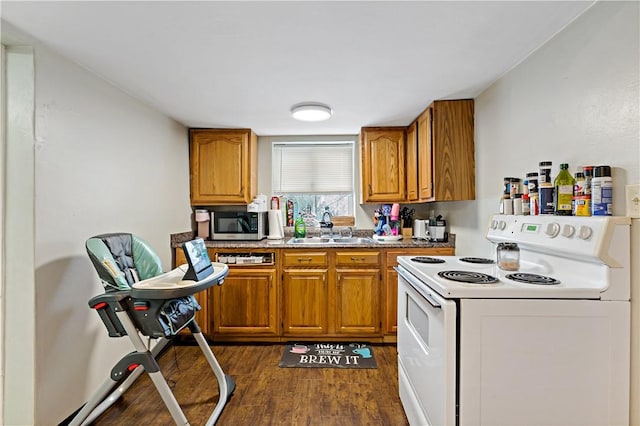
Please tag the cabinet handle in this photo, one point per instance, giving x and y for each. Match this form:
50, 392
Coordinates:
358, 259
370, 192
305, 259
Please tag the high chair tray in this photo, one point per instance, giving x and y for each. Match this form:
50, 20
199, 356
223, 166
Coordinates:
172, 285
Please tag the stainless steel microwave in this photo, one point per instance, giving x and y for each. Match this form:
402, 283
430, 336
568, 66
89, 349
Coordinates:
238, 225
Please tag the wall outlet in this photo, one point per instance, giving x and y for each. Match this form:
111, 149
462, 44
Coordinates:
633, 200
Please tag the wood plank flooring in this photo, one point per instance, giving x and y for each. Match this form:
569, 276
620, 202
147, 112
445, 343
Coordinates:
265, 393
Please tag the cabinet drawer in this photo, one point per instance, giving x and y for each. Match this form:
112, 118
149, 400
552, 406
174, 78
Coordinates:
392, 256
356, 258
301, 259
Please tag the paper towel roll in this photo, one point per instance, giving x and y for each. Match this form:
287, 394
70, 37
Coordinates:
276, 230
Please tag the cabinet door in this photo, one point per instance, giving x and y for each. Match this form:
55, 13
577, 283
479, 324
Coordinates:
425, 171
453, 158
304, 294
446, 159
390, 323
412, 162
357, 301
382, 168
202, 316
222, 166
246, 303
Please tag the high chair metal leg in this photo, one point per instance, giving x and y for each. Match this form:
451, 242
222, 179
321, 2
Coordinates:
130, 367
153, 369
226, 384
113, 388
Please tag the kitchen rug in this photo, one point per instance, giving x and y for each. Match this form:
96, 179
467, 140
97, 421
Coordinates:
328, 355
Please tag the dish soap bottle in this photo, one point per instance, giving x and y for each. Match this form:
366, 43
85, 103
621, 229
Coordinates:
300, 229
563, 193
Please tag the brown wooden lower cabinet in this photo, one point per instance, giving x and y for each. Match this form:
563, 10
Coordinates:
355, 298
357, 302
246, 304
304, 302
332, 294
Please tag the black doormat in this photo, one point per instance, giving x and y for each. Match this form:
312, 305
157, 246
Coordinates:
328, 355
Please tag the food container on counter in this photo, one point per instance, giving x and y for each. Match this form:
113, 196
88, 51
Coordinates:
508, 256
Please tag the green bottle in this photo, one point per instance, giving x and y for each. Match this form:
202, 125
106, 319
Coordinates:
300, 229
563, 193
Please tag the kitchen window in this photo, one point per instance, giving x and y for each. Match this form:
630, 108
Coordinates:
315, 176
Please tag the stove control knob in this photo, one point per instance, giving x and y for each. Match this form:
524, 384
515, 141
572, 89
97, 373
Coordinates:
502, 224
568, 231
584, 232
553, 229
494, 224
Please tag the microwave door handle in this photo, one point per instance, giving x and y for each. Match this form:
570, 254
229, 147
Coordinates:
415, 283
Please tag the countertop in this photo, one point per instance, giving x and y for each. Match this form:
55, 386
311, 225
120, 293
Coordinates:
407, 242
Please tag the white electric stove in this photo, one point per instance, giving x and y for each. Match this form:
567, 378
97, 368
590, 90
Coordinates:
545, 344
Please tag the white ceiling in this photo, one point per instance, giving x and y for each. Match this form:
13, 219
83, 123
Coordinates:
244, 64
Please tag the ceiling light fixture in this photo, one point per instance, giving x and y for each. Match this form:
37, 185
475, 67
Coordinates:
311, 111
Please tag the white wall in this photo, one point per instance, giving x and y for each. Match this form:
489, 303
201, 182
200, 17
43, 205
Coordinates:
103, 163
18, 238
575, 100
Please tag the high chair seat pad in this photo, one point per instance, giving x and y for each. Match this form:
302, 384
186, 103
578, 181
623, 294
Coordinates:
122, 259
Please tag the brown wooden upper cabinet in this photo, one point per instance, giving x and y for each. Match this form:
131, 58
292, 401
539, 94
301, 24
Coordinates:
383, 164
222, 164
430, 160
446, 159
412, 162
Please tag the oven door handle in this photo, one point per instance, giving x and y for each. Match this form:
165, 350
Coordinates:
416, 284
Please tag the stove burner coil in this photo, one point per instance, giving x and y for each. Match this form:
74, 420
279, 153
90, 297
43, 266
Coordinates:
478, 260
532, 279
427, 259
469, 277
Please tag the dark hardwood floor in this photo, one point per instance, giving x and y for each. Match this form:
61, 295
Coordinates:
265, 393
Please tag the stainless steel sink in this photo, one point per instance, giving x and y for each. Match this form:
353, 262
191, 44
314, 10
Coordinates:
354, 240
327, 240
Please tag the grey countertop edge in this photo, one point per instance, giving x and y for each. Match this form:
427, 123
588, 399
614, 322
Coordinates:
407, 242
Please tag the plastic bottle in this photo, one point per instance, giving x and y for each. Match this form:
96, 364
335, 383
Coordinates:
578, 195
534, 207
517, 204
602, 191
532, 179
563, 191
507, 206
526, 205
300, 229
514, 187
545, 188
544, 175
584, 204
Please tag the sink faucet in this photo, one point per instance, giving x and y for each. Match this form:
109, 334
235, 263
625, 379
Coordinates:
326, 222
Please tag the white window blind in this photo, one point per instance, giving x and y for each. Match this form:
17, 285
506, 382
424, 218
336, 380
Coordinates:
312, 167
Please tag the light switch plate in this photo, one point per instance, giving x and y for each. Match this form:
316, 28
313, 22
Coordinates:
632, 200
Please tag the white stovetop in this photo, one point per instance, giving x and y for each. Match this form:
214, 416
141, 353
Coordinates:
592, 282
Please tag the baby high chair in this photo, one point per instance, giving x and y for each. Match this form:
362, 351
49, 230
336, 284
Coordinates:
141, 301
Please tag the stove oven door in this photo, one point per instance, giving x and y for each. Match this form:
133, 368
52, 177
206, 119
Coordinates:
426, 353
